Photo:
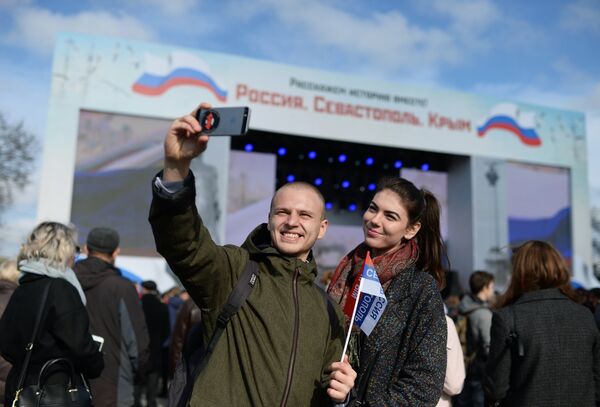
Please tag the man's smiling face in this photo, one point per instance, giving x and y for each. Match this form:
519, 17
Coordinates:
296, 220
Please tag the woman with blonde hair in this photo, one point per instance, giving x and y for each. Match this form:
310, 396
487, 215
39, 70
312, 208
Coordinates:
45, 262
545, 348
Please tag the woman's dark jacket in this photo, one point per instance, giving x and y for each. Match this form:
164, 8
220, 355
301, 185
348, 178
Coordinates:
6, 290
560, 343
407, 348
63, 333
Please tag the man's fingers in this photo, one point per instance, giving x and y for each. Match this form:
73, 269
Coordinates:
191, 124
336, 396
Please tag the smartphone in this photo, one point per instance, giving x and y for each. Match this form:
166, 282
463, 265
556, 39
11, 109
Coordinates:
224, 121
99, 340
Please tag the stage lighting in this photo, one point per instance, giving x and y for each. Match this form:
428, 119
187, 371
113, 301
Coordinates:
398, 164
352, 207
342, 158
248, 147
345, 184
372, 186
312, 155
291, 178
369, 161
318, 181
281, 151
328, 206
425, 167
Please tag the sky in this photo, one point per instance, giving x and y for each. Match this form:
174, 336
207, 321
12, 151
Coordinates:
540, 52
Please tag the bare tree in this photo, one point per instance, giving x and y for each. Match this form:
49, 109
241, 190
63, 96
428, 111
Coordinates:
17, 150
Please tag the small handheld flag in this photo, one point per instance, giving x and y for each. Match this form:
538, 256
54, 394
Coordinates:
367, 311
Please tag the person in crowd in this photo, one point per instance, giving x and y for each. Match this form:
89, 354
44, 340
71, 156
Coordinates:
282, 345
455, 366
174, 299
45, 260
545, 348
596, 293
451, 294
116, 315
157, 321
475, 307
403, 360
189, 315
9, 275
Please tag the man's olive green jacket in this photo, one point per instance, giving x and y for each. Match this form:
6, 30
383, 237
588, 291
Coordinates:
277, 349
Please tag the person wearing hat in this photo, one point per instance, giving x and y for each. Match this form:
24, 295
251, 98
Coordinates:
116, 315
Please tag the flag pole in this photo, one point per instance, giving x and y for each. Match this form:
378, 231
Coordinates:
352, 320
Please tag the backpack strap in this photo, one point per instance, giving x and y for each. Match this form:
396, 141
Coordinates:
236, 299
513, 337
333, 318
34, 338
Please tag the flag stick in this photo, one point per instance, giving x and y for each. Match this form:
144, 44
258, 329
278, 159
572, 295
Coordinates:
352, 320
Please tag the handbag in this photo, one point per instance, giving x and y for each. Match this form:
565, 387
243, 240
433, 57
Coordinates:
74, 393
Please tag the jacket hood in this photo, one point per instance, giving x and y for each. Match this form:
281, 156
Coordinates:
92, 271
259, 246
470, 303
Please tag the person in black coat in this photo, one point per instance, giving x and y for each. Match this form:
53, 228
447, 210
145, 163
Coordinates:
45, 260
157, 320
403, 360
545, 348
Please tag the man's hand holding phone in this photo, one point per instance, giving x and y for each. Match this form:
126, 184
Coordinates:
187, 139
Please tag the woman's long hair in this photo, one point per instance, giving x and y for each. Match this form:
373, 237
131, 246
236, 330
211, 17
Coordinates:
51, 243
422, 206
536, 265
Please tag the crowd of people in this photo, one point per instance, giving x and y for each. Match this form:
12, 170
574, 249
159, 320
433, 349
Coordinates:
282, 342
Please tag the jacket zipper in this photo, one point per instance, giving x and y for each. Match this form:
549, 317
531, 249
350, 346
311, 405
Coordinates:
290, 373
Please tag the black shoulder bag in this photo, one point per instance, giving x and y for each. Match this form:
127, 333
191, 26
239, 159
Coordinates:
74, 393
180, 390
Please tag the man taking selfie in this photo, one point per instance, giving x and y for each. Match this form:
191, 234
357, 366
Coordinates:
282, 347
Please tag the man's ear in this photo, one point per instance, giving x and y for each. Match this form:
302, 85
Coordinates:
412, 230
322, 228
86, 251
116, 253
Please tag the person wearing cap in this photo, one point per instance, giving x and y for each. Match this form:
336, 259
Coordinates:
116, 314
284, 345
157, 321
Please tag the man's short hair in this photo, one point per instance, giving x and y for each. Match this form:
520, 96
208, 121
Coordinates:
305, 185
103, 240
479, 280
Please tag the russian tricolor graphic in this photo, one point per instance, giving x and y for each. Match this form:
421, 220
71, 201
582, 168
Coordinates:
178, 69
506, 116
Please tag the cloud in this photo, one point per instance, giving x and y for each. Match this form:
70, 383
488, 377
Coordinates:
170, 7
582, 15
468, 15
36, 28
387, 41
11, 4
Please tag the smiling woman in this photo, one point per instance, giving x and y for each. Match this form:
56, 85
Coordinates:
402, 234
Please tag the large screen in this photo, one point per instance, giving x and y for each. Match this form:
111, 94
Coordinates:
539, 205
117, 156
